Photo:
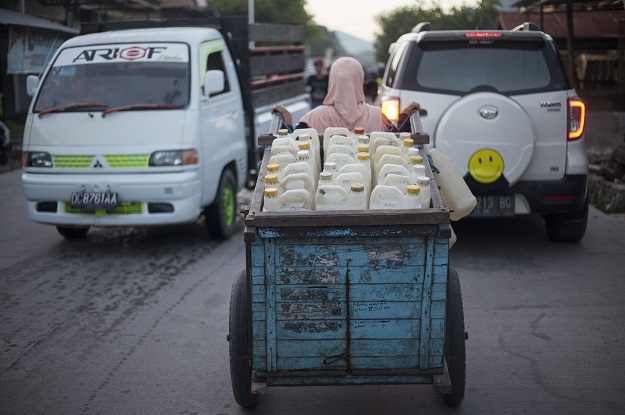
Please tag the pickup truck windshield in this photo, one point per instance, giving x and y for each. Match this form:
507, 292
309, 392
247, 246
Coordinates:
155, 76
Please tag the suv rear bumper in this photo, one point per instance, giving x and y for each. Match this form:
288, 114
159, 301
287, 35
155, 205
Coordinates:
545, 197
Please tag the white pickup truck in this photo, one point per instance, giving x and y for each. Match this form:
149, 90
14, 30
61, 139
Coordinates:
150, 126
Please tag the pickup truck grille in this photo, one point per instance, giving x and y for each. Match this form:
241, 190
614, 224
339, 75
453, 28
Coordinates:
127, 160
72, 162
114, 161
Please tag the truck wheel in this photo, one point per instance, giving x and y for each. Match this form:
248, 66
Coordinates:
73, 233
567, 227
220, 216
455, 353
240, 353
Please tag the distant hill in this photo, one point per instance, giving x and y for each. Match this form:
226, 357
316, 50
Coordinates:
353, 44
361, 49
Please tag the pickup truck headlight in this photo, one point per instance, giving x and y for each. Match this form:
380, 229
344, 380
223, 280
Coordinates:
173, 158
37, 159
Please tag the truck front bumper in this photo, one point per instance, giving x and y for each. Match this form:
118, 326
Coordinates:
143, 199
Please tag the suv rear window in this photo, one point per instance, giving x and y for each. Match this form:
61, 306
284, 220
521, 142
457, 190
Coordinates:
460, 67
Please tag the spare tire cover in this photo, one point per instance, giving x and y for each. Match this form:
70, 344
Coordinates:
484, 122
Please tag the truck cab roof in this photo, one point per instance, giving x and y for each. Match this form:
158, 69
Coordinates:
191, 35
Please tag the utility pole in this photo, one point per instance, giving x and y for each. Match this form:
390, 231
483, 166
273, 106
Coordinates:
621, 57
250, 17
569, 42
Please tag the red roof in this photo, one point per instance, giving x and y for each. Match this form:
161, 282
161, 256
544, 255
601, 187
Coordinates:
590, 24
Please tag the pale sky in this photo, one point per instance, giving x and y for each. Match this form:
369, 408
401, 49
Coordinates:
356, 17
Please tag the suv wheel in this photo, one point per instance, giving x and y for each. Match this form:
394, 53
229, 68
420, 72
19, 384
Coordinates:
567, 227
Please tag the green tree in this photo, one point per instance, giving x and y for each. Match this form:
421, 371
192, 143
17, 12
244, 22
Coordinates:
402, 20
326, 40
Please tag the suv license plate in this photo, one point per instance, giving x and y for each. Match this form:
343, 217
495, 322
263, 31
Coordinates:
93, 200
494, 206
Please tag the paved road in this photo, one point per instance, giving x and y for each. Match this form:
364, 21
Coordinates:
134, 321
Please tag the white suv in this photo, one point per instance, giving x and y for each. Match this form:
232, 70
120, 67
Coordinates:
500, 105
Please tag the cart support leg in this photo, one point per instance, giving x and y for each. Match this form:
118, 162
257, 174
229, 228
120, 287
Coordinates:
442, 382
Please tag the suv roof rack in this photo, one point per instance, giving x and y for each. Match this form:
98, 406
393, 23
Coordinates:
527, 27
422, 27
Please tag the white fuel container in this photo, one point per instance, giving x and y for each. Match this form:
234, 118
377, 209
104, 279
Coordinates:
424, 184
400, 181
364, 158
361, 168
340, 159
383, 155
335, 197
298, 181
325, 177
343, 140
304, 156
346, 179
453, 189
379, 138
390, 197
392, 168
283, 159
284, 143
331, 131
341, 149
330, 167
298, 167
310, 134
291, 200
272, 181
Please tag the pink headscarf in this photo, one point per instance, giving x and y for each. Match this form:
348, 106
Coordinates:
345, 106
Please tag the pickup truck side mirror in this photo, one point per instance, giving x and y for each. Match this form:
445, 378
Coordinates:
32, 82
214, 82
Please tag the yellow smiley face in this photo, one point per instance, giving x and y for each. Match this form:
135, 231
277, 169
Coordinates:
486, 165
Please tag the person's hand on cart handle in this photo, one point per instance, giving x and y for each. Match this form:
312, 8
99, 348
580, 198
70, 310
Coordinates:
286, 115
413, 106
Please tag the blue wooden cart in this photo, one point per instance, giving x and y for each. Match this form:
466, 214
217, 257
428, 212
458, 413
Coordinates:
346, 298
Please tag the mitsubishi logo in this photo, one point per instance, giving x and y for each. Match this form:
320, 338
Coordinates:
98, 164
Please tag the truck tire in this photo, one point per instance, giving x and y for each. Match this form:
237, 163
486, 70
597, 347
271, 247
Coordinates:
238, 337
220, 216
455, 352
567, 227
73, 233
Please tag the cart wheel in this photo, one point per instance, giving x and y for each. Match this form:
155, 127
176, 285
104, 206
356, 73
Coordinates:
455, 340
240, 362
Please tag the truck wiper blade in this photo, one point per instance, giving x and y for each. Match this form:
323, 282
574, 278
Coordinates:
72, 106
139, 106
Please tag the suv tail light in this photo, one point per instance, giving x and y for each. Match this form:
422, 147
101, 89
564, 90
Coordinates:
482, 35
577, 118
390, 108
